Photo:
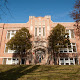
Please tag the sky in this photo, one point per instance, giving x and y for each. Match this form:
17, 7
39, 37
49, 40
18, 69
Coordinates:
20, 10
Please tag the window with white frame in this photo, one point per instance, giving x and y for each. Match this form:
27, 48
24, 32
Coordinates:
71, 33
39, 31
67, 61
10, 34
10, 61
70, 49
35, 31
43, 31
7, 50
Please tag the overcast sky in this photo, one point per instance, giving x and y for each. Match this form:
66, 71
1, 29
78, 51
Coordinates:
21, 10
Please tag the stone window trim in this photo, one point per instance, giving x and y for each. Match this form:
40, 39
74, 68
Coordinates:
10, 34
7, 50
72, 49
10, 61
67, 61
43, 31
71, 33
36, 31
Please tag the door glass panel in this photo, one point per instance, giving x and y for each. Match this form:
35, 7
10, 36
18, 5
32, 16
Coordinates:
74, 48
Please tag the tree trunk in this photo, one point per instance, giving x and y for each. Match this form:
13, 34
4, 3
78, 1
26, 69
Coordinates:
57, 58
19, 57
53, 57
19, 61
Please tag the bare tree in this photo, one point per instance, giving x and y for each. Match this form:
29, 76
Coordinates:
75, 14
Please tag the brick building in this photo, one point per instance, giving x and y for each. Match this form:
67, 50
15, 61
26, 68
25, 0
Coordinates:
39, 28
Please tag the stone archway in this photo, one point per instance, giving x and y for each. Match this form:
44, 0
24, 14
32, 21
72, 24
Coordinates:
40, 55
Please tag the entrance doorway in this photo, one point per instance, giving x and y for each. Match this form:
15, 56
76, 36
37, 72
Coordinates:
22, 61
39, 55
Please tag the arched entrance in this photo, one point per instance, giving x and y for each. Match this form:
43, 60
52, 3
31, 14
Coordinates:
40, 55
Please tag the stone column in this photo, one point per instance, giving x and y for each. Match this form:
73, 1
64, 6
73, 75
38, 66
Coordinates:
33, 58
46, 56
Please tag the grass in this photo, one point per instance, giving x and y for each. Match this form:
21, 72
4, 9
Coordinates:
39, 72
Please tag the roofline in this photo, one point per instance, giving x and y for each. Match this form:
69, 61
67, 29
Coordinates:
63, 22
26, 22
12, 23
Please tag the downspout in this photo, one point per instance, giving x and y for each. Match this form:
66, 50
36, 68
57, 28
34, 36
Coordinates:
2, 35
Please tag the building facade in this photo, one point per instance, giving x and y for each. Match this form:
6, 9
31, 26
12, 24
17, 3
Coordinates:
39, 28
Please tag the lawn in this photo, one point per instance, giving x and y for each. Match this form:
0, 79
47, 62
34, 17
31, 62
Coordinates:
39, 72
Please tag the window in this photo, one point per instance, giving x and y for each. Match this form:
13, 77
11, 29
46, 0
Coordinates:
65, 49
67, 31
71, 58
71, 33
61, 59
39, 34
67, 63
61, 50
35, 31
10, 61
71, 63
7, 50
14, 59
9, 58
66, 58
43, 31
4, 60
62, 63
70, 49
74, 48
39, 30
10, 34
73, 43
